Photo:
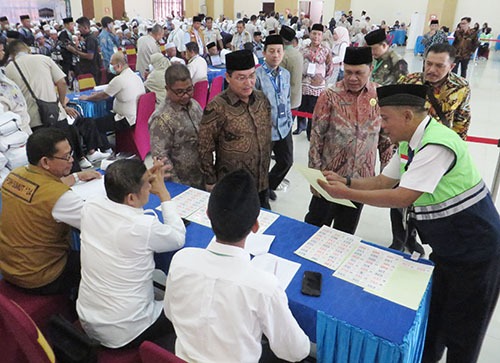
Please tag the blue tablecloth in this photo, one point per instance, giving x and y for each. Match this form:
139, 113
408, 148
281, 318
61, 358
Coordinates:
90, 108
399, 37
215, 72
348, 324
419, 47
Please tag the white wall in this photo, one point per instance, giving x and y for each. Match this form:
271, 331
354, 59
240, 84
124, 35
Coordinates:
76, 9
390, 10
139, 8
487, 11
248, 7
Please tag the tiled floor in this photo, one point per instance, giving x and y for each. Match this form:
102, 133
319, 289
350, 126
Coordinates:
375, 224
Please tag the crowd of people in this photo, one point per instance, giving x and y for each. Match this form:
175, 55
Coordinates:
363, 102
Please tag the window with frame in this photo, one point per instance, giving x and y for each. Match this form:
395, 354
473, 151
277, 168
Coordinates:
167, 8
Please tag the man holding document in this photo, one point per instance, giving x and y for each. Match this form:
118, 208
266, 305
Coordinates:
221, 304
345, 136
452, 211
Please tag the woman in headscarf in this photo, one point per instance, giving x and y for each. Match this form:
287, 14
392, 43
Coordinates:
340, 43
156, 79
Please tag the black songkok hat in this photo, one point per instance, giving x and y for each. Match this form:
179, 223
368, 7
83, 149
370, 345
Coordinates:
402, 95
210, 45
318, 27
257, 33
358, 55
434, 21
68, 20
24, 17
375, 37
274, 39
124, 27
234, 201
4, 18
240, 60
13, 34
287, 33
197, 19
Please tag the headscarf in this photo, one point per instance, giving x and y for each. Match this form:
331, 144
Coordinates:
342, 35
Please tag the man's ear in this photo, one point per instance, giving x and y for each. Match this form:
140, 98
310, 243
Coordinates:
255, 226
130, 199
44, 163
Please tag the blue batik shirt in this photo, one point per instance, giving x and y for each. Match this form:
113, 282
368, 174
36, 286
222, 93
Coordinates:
109, 44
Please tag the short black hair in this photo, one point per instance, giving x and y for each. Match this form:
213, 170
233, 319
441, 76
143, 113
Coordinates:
240, 22
234, 206
83, 21
193, 47
467, 19
253, 17
42, 143
124, 177
176, 72
105, 21
17, 46
209, 18
443, 48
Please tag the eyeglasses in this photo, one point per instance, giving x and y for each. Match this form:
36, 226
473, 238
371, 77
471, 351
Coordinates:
182, 92
68, 157
244, 78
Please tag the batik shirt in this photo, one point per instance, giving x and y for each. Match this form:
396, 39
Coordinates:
240, 135
389, 68
453, 96
108, 43
174, 136
319, 58
346, 132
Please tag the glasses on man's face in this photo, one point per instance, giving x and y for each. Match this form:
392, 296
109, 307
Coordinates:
182, 92
245, 78
66, 157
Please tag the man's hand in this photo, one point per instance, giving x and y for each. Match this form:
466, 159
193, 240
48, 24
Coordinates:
71, 49
88, 175
71, 112
336, 189
334, 177
157, 180
209, 187
83, 97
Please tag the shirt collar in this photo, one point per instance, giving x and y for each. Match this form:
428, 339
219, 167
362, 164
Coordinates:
228, 250
234, 99
417, 136
176, 107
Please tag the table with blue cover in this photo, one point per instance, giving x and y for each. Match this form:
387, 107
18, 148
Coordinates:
399, 37
347, 323
92, 109
215, 72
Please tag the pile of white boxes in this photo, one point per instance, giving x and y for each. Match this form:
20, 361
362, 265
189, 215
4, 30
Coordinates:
12, 143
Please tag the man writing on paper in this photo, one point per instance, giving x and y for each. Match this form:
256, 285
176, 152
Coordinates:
345, 137
219, 303
452, 209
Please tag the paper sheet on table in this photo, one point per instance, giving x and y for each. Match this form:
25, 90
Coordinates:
190, 201
265, 220
90, 189
312, 175
282, 268
258, 243
407, 284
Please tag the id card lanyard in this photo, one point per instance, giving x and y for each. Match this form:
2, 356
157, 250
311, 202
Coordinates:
276, 82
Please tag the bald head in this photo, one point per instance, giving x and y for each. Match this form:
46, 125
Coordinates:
118, 62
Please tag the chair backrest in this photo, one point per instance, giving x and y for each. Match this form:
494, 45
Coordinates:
21, 340
216, 87
132, 61
136, 139
130, 50
200, 93
86, 81
152, 353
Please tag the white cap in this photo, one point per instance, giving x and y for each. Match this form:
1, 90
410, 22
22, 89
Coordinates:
93, 29
119, 30
169, 45
46, 27
38, 35
53, 31
126, 31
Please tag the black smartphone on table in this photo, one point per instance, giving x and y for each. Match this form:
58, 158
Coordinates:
311, 283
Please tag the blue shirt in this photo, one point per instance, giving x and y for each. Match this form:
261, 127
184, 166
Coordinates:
108, 42
277, 90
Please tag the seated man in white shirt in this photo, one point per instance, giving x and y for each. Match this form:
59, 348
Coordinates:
126, 88
219, 303
196, 64
116, 304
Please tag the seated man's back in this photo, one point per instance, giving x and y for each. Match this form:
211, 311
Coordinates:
219, 304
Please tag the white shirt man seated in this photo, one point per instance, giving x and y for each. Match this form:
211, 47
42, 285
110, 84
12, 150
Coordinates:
196, 64
116, 302
219, 303
126, 88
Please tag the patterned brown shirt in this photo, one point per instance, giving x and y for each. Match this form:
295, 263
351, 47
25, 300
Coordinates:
240, 135
174, 136
453, 96
389, 68
347, 132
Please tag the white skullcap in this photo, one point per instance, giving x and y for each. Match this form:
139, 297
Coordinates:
169, 45
93, 29
126, 31
53, 31
119, 30
46, 27
38, 35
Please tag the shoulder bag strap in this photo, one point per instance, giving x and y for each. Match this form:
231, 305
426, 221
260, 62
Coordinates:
25, 81
437, 107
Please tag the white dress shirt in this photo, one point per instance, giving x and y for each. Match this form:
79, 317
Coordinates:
427, 167
116, 297
220, 305
198, 69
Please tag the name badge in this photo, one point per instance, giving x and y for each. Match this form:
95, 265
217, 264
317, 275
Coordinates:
281, 110
311, 69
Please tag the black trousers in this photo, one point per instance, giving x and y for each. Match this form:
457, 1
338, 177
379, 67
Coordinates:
283, 152
264, 199
463, 299
463, 63
108, 123
322, 213
92, 137
160, 332
307, 105
399, 238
